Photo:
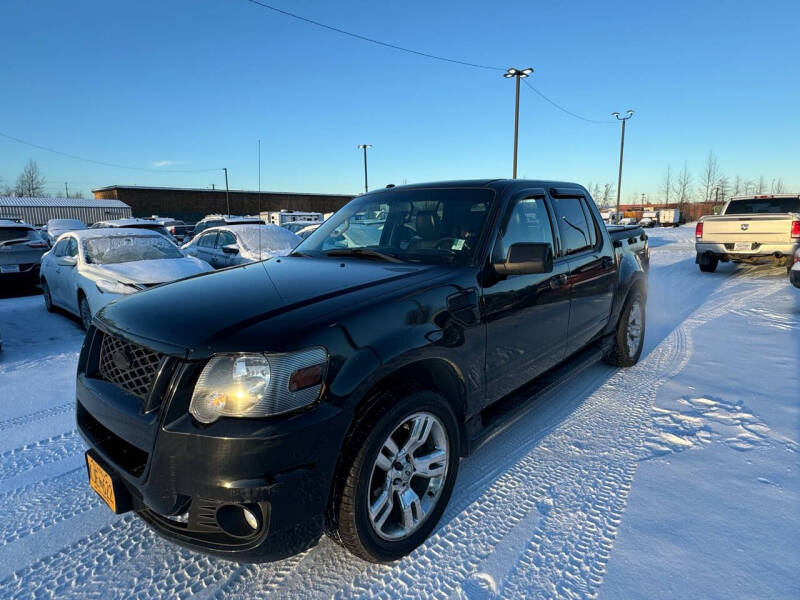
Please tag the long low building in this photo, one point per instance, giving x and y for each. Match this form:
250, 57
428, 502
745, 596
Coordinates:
37, 211
193, 204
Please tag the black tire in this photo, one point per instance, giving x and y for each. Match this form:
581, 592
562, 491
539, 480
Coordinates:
48, 298
621, 354
349, 522
709, 265
84, 312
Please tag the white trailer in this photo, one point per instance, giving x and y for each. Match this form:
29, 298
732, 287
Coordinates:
669, 217
284, 217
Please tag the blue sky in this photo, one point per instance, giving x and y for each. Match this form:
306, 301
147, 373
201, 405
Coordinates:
194, 84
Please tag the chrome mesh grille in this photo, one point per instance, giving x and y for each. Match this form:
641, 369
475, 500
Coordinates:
129, 366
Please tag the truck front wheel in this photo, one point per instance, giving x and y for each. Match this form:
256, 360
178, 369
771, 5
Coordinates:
629, 337
399, 470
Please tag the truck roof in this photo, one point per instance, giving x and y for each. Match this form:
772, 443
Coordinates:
498, 184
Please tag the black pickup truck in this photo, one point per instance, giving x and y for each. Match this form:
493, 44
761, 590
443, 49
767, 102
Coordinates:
336, 389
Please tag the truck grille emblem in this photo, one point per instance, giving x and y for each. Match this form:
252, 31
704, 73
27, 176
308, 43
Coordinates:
745, 226
122, 360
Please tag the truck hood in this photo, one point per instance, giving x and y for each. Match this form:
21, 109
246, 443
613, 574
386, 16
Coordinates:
189, 315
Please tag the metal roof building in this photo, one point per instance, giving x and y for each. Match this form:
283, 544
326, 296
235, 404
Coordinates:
37, 211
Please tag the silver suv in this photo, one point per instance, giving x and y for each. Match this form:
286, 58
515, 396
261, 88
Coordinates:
21, 249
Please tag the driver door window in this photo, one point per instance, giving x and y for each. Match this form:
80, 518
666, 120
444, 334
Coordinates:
528, 222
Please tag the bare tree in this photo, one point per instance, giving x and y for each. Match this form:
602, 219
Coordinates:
709, 176
724, 186
737, 185
776, 187
666, 184
30, 182
683, 186
608, 192
762, 185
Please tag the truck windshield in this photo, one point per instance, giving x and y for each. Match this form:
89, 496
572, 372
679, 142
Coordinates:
429, 226
753, 206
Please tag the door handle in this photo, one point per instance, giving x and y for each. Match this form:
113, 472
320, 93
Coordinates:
558, 281
606, 262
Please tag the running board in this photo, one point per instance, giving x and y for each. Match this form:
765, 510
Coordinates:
501, 415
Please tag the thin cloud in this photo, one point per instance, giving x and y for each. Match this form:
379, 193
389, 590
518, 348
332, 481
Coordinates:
168, 163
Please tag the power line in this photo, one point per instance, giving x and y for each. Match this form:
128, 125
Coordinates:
372, 40
100, 162
562, 109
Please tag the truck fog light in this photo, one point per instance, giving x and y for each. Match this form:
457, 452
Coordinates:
250, 518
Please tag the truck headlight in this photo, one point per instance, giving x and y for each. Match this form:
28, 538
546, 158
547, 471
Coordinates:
114, 287
258, 385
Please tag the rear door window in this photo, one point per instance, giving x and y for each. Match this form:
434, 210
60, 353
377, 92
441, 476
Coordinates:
225, 238
207, 241
572, 225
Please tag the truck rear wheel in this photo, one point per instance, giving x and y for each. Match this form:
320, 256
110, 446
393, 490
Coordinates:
400, 469
629, 338
707, 263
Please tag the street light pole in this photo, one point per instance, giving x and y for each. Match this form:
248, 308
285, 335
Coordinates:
517, 74
627, 116
364, 148
227, 196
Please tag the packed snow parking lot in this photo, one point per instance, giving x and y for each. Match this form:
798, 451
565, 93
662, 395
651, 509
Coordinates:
677, 477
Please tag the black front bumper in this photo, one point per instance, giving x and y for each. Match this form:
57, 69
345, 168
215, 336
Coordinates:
185, 478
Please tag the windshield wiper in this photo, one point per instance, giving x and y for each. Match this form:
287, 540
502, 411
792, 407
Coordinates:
364, 253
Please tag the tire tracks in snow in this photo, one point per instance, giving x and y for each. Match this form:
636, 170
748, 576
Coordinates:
36, 416
40, 453
35, 507
583, 525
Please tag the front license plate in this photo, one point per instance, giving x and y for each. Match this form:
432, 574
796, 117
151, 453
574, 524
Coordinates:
101, 482
742, 246
9, 268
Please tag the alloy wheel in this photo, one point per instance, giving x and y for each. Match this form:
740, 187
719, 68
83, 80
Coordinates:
408, 476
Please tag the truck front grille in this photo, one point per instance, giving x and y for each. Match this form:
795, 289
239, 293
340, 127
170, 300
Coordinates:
127, 365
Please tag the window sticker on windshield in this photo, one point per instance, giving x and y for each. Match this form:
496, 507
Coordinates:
458, 244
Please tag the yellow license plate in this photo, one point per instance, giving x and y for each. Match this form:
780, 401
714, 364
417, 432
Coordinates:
101, 483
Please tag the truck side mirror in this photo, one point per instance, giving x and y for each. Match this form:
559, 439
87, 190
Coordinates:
526, 259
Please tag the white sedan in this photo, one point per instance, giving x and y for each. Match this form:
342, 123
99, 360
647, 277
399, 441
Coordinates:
87, 269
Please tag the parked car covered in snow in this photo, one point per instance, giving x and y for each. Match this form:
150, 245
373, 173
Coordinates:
240, 244
21, 249
134, 223
55, 227
627, 221
647, 222
87, 269
210, 221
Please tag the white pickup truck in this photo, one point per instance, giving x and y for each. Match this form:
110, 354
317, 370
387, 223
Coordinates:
750, 229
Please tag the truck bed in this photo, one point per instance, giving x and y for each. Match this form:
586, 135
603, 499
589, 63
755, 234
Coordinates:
630, 238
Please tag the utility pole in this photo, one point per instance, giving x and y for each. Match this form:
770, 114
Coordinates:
227, 196
517, 74
364, 148
643, 195
629, 114
66, 189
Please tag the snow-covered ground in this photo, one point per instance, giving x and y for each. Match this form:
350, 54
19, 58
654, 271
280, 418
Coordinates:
677, 478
